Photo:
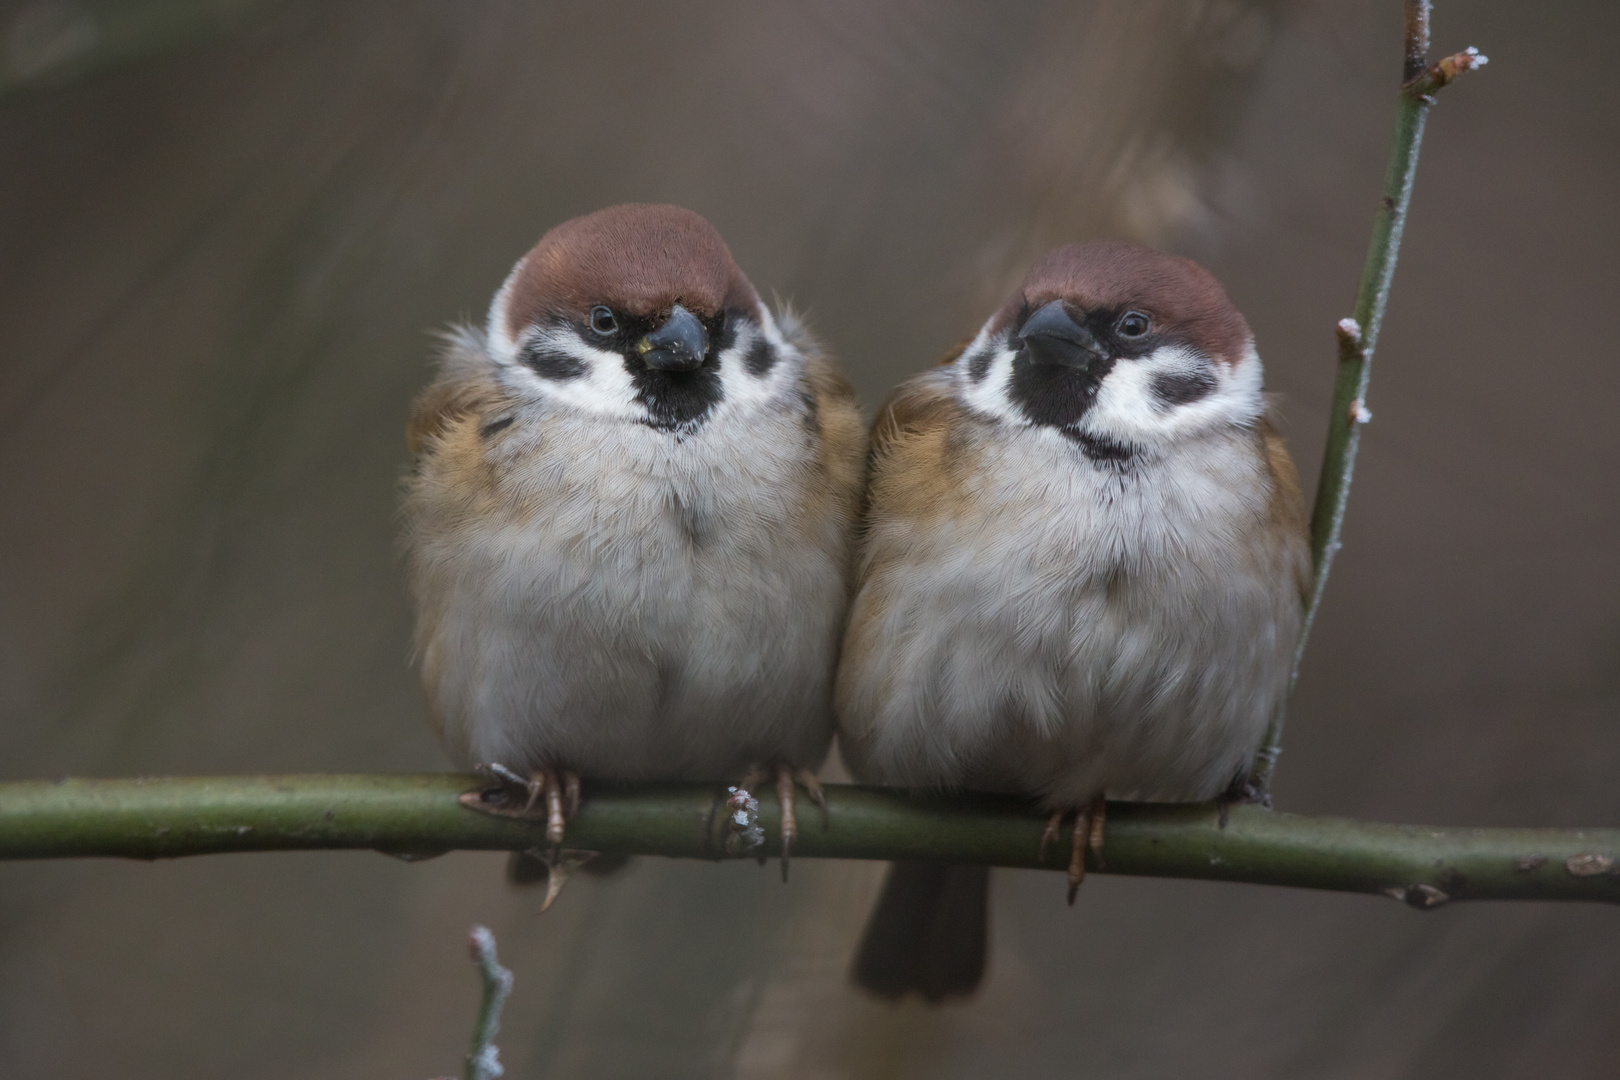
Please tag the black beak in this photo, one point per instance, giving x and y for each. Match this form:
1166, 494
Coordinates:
1049, 336
678, 345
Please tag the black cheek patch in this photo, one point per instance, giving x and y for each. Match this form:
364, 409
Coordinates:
551, 363
979, 364
1174, 388
760, 358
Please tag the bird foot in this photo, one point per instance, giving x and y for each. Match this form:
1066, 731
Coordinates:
789, 779
559, 865
516, 796
1241, 793
1087, 836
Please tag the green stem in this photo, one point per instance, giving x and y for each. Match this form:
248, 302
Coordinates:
483, 1060
1358, 336
420, 815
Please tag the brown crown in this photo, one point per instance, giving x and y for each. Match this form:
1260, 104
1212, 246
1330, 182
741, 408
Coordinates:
637, 258
1183, 299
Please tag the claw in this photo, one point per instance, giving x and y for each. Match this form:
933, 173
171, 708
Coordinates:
785, 793
497, 799
559, 787
1240, 791
1077, 856
788, 778
1094, 835
755, 775
1087, 835
560, 866
534, 785
1054, 825
811, 784
554, 809
500, 772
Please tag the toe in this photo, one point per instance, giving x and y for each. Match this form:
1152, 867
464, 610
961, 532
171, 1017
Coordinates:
786, 788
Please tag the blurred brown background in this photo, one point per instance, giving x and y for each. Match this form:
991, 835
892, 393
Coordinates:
228, 228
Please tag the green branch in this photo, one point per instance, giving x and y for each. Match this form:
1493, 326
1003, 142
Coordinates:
421, 815
483, 1058
1358, 335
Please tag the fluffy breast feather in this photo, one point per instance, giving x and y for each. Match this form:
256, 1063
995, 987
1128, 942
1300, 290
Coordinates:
626, 601
1027, 620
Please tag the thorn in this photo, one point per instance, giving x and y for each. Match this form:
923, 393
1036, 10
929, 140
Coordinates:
556, 878
560, 866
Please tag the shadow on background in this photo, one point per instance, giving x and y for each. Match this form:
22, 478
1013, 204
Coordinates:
228, 230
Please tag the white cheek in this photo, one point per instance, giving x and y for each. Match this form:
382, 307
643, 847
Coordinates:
988, 396
1128, 410
746, 393
604, 389
499, 343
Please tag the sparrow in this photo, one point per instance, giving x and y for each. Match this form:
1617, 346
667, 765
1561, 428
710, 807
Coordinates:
1081, 573
629, 523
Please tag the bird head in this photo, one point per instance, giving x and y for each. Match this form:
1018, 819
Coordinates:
1118, 347
636, 312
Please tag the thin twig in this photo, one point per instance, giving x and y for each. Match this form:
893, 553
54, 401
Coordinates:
1358, 335
417, 816
483, 1059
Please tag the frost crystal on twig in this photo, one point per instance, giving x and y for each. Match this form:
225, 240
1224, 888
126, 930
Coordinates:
743, 832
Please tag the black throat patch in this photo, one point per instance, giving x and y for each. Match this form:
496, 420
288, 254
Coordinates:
676, 400
679, 400
1059, 396
1055, 396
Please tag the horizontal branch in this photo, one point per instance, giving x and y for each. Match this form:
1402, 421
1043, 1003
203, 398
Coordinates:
418, 816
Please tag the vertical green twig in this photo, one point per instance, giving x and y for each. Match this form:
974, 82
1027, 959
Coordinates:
1358, 335
483, 1059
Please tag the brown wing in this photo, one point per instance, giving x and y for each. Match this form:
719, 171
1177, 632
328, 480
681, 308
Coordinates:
1287, 507
843, 433
921, 409
920, 455
462, 389
836, 419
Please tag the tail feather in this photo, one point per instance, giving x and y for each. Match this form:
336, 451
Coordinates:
928, 933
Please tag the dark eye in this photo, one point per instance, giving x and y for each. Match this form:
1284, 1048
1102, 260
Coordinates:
602, 321
1133, 324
